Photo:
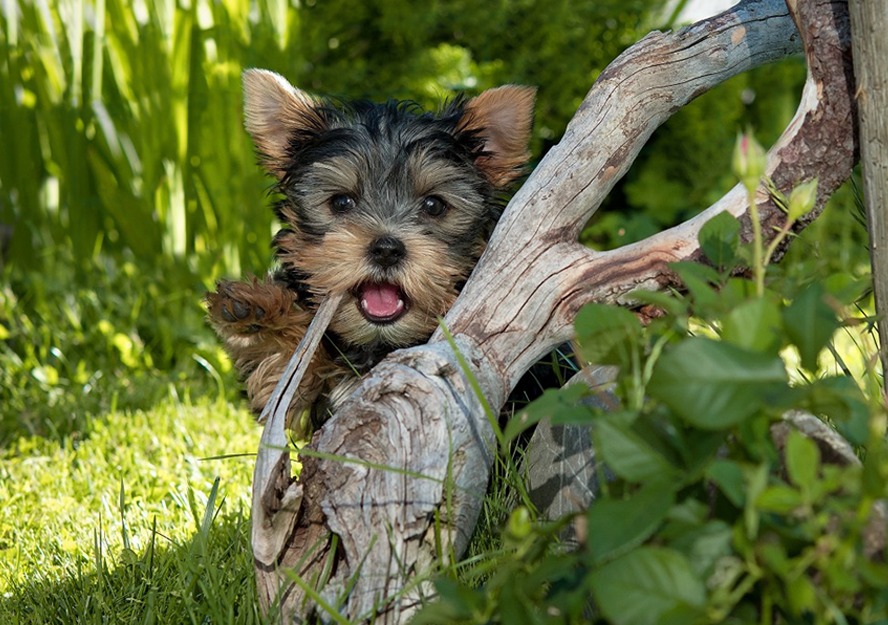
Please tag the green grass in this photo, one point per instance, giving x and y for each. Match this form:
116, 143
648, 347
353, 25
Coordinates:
143, 518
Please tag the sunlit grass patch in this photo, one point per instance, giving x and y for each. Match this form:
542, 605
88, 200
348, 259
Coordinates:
127, 520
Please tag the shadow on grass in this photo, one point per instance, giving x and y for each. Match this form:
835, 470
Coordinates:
208, 579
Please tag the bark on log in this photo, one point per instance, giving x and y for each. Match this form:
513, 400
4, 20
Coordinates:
392, 484
869, 21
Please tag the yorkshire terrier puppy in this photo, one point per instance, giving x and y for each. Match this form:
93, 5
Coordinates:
383, 202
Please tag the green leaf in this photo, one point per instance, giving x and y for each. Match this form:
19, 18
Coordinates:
728, 476
685, 615
455, 602
720, 239
773, 554
607, 334
698, 448
563, 403
704, 545
642, 586
698, 271
639, 516
780, 498
671, 304
736, 291
715, 385
756, 478
810, 324
846, 579
847, 288
802, 460
138, 226
698, 279
874, 573
628, 454
516, 607
841, 400
754, 325
689, 512
874, 477
802, 595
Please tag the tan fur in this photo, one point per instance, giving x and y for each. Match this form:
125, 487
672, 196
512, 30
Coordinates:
260, 325
272, 109
338, 265
504, 116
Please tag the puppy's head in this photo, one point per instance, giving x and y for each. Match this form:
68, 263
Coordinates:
384, 202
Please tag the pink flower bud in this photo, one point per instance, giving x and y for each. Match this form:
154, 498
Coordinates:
749, 161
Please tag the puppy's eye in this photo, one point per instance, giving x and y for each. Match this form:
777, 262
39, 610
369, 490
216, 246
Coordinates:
434, 206
341, 203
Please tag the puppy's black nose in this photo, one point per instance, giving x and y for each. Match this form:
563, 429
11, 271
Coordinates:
387, 251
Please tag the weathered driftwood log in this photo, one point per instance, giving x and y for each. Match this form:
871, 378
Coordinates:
392, 484
277, 499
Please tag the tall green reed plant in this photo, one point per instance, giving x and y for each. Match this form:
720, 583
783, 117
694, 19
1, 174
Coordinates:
121, 123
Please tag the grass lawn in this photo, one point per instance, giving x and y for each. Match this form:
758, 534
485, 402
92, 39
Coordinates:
143, 518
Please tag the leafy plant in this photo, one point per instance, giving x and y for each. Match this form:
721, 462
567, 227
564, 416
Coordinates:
705, 514
124, 337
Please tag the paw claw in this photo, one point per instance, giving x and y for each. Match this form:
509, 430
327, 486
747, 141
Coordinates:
241, 310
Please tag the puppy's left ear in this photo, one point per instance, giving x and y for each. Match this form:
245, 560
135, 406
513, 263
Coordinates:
503, 118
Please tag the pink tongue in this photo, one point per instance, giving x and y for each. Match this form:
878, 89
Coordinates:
381, 300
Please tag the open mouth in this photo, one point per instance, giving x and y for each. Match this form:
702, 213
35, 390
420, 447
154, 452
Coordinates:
381, 302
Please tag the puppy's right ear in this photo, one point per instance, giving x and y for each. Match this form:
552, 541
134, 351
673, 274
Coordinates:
502, 117
275, 113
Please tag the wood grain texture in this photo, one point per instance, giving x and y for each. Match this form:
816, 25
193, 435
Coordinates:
277, 498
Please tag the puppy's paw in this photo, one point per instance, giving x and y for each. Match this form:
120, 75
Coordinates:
249, 307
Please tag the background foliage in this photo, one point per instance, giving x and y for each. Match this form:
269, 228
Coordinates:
128, 186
